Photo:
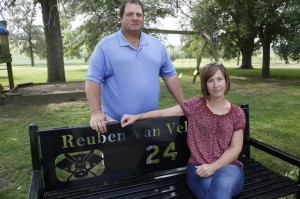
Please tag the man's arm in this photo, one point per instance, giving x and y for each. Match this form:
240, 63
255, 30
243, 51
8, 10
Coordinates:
93, 94
174, 87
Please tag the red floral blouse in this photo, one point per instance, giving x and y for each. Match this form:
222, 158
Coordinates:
209, 135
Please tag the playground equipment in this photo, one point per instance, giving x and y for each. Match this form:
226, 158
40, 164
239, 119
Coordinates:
5, 56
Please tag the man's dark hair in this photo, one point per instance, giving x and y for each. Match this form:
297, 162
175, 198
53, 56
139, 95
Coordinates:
124, 2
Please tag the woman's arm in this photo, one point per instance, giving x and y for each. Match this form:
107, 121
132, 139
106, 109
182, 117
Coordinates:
167, 112
230, 155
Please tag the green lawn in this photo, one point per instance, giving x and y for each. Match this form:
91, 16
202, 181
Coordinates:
274, 116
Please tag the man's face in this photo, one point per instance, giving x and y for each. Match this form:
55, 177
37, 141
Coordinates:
133, 18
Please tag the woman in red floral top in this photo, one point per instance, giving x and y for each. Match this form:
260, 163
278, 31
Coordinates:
215, 136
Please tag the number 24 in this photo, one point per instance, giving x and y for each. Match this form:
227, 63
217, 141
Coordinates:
169, 152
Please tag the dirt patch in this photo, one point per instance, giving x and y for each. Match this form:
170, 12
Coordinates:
45, 93
49, 88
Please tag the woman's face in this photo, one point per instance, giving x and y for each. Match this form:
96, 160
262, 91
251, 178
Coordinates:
216, 85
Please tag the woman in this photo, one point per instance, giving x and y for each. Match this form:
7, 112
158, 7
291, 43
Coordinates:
215, 136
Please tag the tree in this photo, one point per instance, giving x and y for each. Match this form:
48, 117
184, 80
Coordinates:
239, 23
230, 25
287, 44
4, 4
269, 25
54, 44
240, 30
288, 48
25, 35
276, 19
54, 47
99, 18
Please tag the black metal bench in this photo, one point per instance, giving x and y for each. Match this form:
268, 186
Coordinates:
144, 160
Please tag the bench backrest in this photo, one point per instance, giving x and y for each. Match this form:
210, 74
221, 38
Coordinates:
69, 156
79, 155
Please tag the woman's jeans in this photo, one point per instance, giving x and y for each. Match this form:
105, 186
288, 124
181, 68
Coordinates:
226, 183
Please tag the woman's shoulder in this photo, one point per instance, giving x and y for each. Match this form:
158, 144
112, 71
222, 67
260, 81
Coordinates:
236, 109
238, 117
191, 105
193, 102
196, 99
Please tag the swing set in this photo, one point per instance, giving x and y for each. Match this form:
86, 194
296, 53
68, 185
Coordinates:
207, 43
5, 56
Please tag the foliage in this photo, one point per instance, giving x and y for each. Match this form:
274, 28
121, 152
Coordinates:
245, 26
174, 52
273, 21
4, 4
95, 19
24, 33
199, 22
230, 27
287, 45
53, 37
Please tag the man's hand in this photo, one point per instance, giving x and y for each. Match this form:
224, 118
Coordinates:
98, 122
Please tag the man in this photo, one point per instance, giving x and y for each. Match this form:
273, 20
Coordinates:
123, 75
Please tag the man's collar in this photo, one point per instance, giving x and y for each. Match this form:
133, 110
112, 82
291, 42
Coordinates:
123, 41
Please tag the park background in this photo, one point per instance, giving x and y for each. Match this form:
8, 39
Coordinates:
274, 113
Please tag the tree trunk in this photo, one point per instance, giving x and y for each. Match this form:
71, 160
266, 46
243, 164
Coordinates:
54, 46
246, 46
31, 57
265, 73
265, 38
246, 58
31, 51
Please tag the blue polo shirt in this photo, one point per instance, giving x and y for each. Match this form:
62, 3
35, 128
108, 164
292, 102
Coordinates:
129, 77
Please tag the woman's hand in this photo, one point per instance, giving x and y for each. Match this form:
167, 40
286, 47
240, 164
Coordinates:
128, 119
205, 170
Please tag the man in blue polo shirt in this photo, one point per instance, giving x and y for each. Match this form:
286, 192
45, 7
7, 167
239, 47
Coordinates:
123, 75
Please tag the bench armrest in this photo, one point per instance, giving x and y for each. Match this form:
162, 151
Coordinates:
275, 152
35, 186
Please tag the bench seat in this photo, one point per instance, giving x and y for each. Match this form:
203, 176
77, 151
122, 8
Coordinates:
260, 183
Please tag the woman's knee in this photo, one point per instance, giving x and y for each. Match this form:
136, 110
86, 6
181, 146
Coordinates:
230, 177
198, 185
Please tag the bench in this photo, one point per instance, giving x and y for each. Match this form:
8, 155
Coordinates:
144, 160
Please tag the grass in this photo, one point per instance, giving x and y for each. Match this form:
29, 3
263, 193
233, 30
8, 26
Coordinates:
274, 115
38, 74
